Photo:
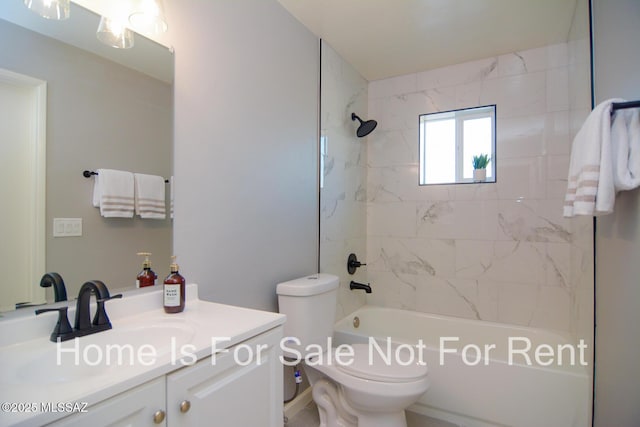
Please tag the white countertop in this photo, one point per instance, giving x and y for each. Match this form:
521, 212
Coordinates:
30, 372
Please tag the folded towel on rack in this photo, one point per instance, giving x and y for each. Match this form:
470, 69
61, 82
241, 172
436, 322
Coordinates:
113, 193
590, 189
625, 144
150, 196
171, 195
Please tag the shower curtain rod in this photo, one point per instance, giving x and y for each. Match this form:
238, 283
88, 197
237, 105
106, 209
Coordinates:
622, 105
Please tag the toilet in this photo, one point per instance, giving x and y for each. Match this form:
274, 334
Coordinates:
353, 386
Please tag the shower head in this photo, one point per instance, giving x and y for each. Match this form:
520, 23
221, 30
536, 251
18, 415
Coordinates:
365, 128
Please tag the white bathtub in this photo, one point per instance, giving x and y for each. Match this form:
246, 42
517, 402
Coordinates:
471, 391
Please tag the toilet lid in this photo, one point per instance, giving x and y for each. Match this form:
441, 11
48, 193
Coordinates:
387, 365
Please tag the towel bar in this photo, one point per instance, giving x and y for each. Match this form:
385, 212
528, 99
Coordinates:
89, 174
622, 105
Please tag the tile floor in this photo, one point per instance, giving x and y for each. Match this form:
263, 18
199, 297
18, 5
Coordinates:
307, 417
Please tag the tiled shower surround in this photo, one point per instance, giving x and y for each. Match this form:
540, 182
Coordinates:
496, 251
343, 202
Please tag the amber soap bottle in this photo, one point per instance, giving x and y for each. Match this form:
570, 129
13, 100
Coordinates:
146, 277
174, 289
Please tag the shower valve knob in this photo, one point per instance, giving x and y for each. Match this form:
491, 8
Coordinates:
353, 263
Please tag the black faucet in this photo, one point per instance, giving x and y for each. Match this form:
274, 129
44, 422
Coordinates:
83, 324
355, 285
63, 329
55, 280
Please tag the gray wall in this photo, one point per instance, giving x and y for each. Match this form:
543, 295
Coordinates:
99, 115
616, 35
245, 148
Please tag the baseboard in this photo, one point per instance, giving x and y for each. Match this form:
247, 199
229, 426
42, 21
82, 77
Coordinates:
297, 404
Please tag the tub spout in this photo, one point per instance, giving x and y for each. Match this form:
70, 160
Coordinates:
355, 285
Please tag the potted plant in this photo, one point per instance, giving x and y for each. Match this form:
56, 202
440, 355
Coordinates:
480, 163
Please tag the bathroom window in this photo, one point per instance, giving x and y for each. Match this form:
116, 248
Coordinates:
450, 140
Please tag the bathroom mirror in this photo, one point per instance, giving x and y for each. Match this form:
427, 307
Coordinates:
102, 111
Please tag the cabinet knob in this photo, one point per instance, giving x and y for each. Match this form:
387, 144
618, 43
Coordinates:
185, 405
158, 417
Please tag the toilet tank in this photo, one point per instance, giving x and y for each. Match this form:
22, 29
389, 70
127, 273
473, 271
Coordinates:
310, 306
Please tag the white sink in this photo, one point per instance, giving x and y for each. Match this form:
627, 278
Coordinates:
161, 336
45, 369
93, 356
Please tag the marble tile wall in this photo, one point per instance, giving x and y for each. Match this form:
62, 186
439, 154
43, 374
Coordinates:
498, 252
343, 201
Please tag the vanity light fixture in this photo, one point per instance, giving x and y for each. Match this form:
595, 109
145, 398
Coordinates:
114, 33
50, 9
144, 16
148, 17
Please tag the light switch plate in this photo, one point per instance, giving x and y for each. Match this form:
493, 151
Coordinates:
67, 227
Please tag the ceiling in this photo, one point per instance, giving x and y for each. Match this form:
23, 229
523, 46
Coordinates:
386, 38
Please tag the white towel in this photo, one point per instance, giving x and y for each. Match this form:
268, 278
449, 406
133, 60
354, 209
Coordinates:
113, 193
171, 195
625, 143
590, 190
150, 196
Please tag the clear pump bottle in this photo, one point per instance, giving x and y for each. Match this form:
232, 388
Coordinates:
174, 290
146, 277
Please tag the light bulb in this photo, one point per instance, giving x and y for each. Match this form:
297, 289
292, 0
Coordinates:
50, 9
114, 33
148, 17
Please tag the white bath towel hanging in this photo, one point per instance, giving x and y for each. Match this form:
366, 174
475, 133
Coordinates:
625, 143
590, 189
113, 193
150, 196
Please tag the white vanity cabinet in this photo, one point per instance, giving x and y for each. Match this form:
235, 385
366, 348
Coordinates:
238, 386
241, 386
135, 407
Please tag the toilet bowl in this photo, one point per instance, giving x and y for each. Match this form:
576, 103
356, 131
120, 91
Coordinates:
368, 391
356, 386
